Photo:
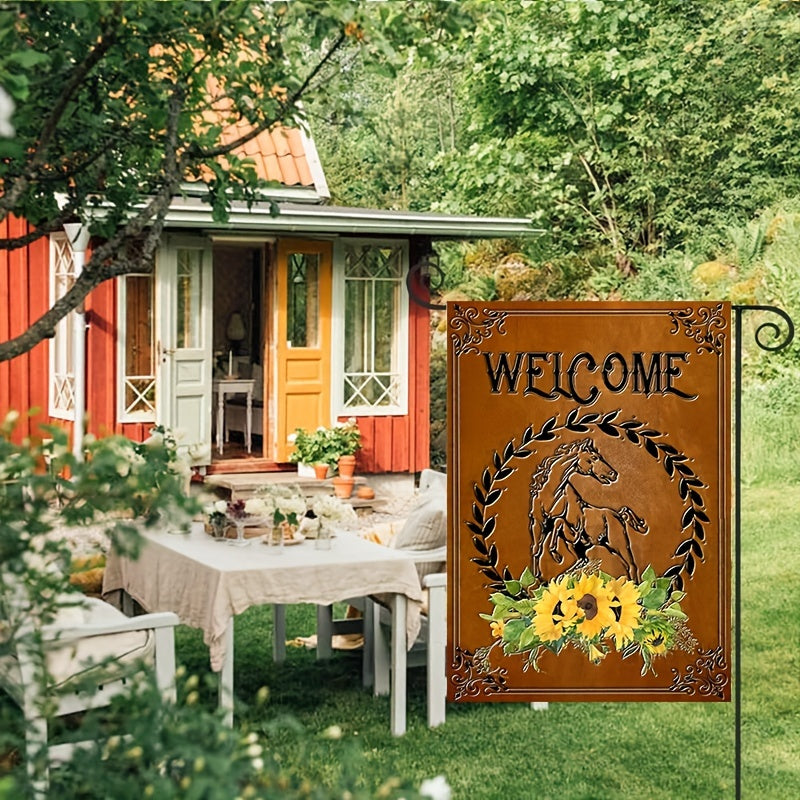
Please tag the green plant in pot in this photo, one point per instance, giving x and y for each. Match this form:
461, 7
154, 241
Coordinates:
326, 445
308, 447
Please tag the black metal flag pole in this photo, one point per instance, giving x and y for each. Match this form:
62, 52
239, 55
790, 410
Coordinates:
776, 341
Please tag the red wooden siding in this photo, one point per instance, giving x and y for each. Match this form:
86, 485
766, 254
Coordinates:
24, 290
389, 443
101, 321
24, 381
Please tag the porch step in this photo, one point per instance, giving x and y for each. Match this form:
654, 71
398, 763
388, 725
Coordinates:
241, 485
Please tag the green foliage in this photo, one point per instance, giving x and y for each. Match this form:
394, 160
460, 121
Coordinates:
119, 104
666, 277
173, 751
326, 445
44, 488
385, 140
635, 125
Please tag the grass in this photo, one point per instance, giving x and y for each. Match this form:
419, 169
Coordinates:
573, 751
577, 751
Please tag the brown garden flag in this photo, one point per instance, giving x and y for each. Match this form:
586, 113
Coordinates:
589, 502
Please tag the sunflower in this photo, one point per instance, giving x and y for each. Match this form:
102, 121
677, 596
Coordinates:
594, 603
554, 612
655, 643
626, 609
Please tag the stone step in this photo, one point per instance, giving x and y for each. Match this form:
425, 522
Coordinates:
241, 485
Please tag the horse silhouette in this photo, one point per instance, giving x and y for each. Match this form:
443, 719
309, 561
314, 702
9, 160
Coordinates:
558, 513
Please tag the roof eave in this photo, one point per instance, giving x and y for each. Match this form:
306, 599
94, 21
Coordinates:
348, 221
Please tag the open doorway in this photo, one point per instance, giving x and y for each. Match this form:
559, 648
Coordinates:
238, 346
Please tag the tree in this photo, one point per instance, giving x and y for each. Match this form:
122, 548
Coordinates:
630, 126
118, 103
384, 139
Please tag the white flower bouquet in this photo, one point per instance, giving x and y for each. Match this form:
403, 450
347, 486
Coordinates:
331, 511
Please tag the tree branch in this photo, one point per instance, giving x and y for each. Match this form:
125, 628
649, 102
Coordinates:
44, 229
290, 103
39, 159
105, 261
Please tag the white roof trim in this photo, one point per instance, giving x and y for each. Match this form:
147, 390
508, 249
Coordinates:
188, 212
314, 164
288, 194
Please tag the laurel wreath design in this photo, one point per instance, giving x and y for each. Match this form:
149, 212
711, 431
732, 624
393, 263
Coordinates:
487, 492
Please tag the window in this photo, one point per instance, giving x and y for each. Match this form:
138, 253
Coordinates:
374, 362
189, 299
62, 373
302, 325
136, 357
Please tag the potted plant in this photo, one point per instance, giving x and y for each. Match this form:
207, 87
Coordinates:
309, 450
345, 439
327, 446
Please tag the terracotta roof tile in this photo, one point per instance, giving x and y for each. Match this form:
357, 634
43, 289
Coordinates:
289, 175
272, 172
251, 148
281, 141
295, 142
303, 171
277, 154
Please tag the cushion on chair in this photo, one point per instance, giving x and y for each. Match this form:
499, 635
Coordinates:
71, 661
425, 529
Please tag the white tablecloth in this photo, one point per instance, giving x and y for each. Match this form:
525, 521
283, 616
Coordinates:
207, 582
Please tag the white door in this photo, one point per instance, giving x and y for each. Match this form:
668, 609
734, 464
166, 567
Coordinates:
184, 305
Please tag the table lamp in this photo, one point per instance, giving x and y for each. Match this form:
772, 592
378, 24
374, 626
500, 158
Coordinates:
236, 333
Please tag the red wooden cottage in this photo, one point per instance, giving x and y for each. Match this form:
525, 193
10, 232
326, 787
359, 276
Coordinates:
309, 310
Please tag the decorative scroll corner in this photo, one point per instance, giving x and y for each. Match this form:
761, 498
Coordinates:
707, 676
706, 325
472, 674
469, 327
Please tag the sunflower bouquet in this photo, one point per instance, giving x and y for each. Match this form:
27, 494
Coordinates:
592, 612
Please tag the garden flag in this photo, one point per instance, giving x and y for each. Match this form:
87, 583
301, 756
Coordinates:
589, 501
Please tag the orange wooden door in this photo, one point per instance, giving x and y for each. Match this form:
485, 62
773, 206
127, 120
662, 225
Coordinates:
303, 334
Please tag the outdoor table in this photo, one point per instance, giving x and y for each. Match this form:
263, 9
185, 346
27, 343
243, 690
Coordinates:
207, 582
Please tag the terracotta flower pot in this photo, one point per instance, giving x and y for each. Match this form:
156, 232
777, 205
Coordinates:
343, 487
365, 492
347, 466
321, 471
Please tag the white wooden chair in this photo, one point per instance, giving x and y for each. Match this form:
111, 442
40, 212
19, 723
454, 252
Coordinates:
430, 647
89, 643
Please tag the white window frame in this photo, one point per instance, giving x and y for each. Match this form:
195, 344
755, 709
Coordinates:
123, 415
339, 332
61, 380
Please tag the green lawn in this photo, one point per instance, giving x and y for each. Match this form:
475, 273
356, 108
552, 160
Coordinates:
570, 752
580, 751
